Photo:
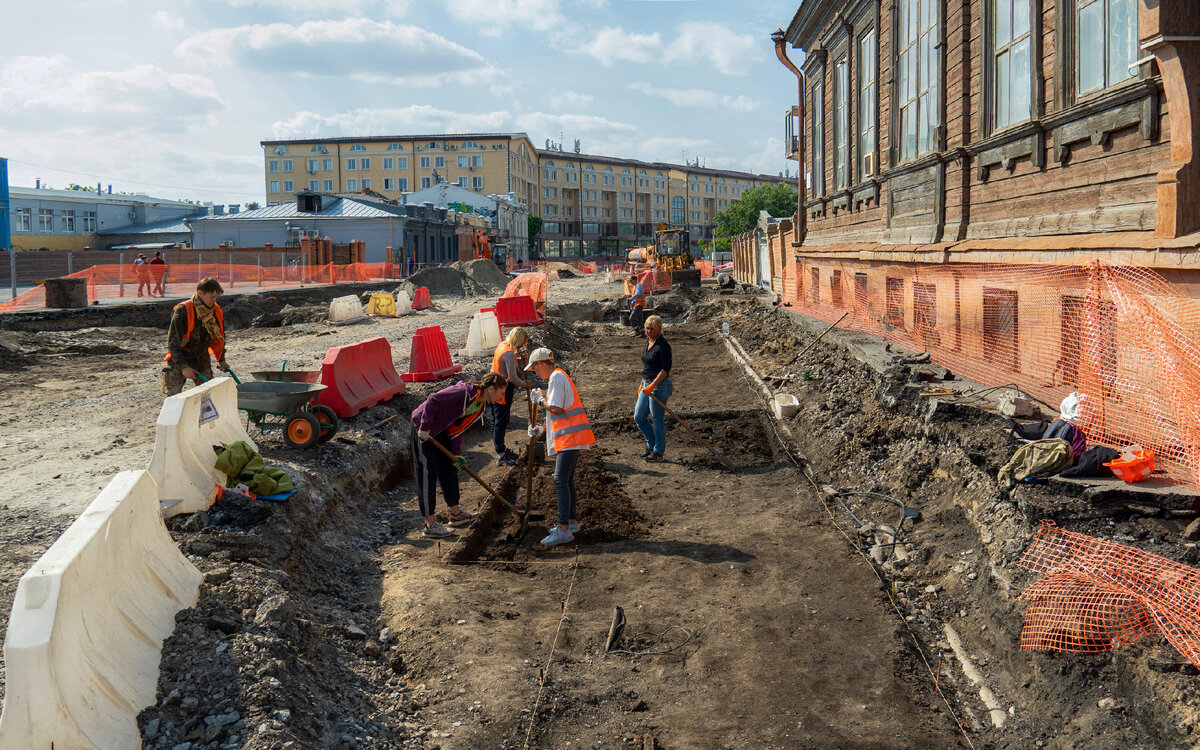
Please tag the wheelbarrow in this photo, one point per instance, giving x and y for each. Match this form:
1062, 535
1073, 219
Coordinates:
304, 423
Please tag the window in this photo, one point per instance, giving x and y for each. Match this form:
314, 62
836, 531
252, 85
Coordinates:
358, 147
1000, 327
389, 183
1011, 43
860, 291
425, 161
814, 286
462, 181
402, 184
352, 185
463, 161
68, 221
868, 62
893, 310
917, 69
439, 162
364, 163
313, 164
1087, 336
677, 209
272, 165
591, 228
395, 147
327, 186
818, 139
841, 124
319, 149
1106, 43
89, 221
273, 186
25, 220
366, 183
925, 312
46, 219
351, 165
476, 161
401, 162
327, 165
424, 182
835, 288
314, 185
477, 183
287, 165
288, 186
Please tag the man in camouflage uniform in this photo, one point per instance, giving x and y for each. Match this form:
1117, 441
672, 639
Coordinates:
197, 328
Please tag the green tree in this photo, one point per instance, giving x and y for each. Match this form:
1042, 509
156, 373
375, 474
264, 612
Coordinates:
778, 199
252, 205
535, 226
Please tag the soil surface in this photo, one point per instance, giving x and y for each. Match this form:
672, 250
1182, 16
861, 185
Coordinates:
755, 617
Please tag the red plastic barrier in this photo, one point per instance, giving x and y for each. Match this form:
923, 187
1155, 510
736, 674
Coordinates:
430, 358
422, 300
517, 311
358, 376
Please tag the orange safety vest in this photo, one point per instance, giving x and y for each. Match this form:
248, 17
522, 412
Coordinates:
461, 424
219, 350
571, 427
637, 300
501, 350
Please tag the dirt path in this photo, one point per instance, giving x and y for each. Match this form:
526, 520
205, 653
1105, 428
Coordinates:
790, 642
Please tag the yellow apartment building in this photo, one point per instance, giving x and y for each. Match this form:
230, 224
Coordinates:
591, 205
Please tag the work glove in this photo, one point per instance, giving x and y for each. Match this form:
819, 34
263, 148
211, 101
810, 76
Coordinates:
423, 434
648, 389
537, 396
535, 431
460, 462
222, 366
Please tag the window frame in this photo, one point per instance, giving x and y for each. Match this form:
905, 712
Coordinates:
868, 143
817, 134
989, 105
89, 221
24, 221
1106, 7
840, 120
935, 88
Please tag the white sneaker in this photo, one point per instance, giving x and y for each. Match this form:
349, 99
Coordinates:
557, 536
573, 527
437, 530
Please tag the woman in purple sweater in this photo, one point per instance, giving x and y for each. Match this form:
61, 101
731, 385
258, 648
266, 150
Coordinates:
444, 417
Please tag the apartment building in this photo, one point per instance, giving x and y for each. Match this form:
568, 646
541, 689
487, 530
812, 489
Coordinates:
485, 163
590, 205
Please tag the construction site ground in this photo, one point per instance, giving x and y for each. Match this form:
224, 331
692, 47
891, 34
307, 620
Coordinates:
754, 617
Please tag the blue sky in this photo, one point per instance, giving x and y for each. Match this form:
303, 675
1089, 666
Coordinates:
172, 99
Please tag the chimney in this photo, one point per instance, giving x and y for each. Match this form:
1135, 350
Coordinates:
37, 184
218, 210
99, 188
110, 189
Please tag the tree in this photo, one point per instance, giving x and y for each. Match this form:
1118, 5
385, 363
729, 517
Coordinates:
535, 226
252, 205
778, 199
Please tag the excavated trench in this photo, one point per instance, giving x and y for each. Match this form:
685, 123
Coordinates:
328, 621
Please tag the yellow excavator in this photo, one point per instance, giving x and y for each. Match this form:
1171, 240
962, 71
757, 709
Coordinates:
672, 249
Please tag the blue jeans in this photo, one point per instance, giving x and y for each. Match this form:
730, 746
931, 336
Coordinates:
646, 411
564, 484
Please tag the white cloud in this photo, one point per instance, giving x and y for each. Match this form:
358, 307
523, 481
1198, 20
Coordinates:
495, 16
360, 48
165, 20
699, 98
50, 93
325, 7
572, 99
696, 42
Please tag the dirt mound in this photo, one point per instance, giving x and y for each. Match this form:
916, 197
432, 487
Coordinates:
473, 278
564, 271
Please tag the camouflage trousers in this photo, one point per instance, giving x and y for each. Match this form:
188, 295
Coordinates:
173, 379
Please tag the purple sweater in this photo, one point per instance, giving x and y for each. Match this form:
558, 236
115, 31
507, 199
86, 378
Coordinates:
442, 408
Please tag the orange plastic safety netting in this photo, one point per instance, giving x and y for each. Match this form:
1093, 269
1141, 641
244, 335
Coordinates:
706, 268
117, 281
534, 285
1097, 596
1121, 336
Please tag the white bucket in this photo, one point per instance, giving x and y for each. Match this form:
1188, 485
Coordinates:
786, 406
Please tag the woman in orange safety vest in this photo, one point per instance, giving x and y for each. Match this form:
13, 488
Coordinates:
505, 362
567, 433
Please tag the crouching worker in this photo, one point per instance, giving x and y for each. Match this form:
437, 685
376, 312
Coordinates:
197, 329
444, 417
567, 433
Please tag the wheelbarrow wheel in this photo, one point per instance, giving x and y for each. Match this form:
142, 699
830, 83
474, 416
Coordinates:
328, 420
301, 430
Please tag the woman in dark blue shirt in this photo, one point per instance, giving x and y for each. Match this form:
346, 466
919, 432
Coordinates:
656, 379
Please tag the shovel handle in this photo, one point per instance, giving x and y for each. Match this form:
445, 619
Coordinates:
688, 427
474, 476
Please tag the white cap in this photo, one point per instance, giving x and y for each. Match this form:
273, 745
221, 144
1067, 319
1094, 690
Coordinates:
541, 354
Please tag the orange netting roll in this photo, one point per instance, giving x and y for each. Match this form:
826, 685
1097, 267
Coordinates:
534, 285
1097, 596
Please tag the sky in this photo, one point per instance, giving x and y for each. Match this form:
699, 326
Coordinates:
172, 98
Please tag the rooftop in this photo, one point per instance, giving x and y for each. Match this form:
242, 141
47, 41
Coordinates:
88, 196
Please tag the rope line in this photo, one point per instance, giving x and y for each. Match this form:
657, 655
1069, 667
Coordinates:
553, 646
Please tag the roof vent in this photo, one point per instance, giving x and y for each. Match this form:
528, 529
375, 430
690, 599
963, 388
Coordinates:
308, 203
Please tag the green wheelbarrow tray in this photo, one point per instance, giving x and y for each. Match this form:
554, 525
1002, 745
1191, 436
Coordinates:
276, 398
288, 376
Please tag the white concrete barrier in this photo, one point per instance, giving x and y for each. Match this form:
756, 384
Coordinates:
346, 309
404, 304
189, 425
85, 636
483, 337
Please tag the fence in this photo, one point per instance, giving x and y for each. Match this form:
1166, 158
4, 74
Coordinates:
1120, 335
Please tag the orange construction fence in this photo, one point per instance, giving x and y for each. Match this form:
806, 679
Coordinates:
534, 285
1097, 596
706, 268
1121, 336
116, 281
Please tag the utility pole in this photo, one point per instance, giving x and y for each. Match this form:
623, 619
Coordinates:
5, 228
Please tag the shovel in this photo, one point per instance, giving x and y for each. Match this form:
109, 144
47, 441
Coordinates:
529, 481
724, 461
478, 479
